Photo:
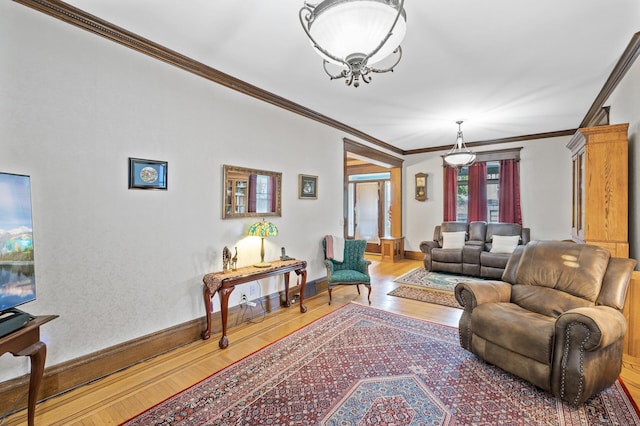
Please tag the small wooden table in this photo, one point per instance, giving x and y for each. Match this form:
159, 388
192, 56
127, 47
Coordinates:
391, 249
26, 342
225, 282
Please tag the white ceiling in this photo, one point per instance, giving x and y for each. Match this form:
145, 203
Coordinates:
508, 68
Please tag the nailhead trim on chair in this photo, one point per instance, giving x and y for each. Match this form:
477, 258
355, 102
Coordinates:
566, 355
468, 327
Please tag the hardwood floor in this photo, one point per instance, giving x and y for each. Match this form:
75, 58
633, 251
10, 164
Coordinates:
122, 395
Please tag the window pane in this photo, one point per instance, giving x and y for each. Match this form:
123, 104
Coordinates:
463, 195
493, 179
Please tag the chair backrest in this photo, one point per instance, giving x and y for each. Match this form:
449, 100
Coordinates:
353, 253
551, 277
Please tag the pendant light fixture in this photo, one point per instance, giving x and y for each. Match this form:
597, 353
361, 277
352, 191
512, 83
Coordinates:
355, 35
459, 155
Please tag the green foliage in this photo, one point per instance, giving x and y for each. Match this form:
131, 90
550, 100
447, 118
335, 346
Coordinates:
18, 256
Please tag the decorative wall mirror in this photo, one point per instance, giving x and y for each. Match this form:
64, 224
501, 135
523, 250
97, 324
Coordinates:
251, 193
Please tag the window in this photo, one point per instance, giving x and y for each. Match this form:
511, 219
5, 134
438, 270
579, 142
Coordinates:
469, 193
493, 184
263, 194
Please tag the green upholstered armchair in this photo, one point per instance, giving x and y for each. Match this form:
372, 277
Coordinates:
354, 270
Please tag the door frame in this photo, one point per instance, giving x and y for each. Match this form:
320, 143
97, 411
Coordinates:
381, 160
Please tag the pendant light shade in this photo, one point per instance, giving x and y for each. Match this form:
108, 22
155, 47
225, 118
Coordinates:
459, 155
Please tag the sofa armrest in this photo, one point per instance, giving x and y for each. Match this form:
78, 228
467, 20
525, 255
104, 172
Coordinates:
470, 294
593, 327
427, 246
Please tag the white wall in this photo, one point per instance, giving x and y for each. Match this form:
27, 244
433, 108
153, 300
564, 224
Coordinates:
545, 188
115, 263
625, 108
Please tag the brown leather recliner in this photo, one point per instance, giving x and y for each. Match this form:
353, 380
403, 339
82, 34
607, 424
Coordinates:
555, 319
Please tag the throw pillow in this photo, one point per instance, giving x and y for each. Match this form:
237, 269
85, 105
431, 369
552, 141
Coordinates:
504, 243
453, 240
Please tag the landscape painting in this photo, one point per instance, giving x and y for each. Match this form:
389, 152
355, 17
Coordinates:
17, 272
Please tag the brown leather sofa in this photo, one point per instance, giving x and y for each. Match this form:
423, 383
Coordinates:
475, 257
554, 320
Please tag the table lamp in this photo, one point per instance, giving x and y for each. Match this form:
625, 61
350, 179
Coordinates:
262, 229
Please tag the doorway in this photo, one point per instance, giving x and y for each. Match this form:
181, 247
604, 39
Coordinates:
373, 190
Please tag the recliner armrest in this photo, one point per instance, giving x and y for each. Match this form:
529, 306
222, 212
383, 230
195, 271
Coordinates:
600, 326
470, 294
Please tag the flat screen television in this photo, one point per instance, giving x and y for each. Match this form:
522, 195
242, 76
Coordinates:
17, 272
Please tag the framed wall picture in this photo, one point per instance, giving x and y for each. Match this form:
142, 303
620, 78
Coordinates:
308, 187
147, 174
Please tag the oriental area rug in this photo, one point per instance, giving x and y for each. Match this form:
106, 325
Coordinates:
362, 366
431, 287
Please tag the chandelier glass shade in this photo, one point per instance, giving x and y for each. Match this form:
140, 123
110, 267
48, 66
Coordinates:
355, 35
459, 155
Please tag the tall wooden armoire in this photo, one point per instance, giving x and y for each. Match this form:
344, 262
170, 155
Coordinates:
601, 187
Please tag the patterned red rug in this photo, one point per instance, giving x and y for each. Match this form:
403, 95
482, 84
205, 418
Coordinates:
359, 366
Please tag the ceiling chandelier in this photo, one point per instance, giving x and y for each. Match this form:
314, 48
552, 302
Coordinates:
459, 155
355, 35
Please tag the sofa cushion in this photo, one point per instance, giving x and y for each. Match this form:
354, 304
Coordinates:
546, 301
494, 260
504, 243
453, 240
446, 255
516, 329
577, 269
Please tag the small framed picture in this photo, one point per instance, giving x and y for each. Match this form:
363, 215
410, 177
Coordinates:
308, 187
147, 174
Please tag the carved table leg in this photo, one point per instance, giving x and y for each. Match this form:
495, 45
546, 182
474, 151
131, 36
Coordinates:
207, 307
287, 302
224, 310
303, 283
37, 353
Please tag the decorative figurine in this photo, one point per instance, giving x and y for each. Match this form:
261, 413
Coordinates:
234, 260
226, 259
284, 255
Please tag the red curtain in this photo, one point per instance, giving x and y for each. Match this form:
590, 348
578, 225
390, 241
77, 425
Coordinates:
509, 197
272, 194
477, 192
252, 193
450, 193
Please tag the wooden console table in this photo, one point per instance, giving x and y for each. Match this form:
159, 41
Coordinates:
224, 283
26, 342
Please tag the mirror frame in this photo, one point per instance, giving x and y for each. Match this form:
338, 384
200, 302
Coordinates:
229, 171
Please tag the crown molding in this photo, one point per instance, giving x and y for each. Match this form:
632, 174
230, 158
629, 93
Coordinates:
523, 138
595, 114
79, 18
93, 24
